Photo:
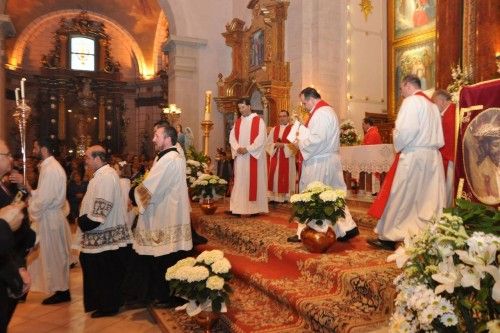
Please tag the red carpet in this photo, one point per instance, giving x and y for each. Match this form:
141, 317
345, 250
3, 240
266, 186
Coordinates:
281, 287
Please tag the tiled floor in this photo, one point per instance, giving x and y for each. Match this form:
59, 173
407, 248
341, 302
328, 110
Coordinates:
32, 316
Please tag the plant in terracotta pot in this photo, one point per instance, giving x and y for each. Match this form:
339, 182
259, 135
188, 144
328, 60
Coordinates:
207, 189
203, 282
319, 206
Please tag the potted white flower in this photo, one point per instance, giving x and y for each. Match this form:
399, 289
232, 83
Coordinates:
203, 282
208, 188
319, 206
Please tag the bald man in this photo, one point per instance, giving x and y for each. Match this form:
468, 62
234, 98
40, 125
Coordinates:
105, 237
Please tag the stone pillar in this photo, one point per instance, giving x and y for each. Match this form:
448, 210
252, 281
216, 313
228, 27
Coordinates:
183, 77
6, 30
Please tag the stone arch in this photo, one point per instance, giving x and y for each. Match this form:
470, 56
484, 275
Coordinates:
24, 37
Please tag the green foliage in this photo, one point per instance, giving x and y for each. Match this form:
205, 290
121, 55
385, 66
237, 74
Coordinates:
477, 217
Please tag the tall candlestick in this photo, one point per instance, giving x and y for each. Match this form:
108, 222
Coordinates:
17, 96
208, 95
22, 87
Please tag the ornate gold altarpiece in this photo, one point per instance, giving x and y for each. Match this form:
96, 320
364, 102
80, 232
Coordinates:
80, 108
258, 54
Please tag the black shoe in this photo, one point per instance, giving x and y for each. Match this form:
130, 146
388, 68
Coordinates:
73, 265
349, 234
197, 238
374, 194
170, 303
382, 244
293, 239
58, 297
228, 212
103, 313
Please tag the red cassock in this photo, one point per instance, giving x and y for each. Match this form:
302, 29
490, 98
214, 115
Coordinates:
372, 137
448, 121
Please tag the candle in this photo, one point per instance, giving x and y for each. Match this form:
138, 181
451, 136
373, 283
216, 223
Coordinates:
17, 96
22, 87
208, 95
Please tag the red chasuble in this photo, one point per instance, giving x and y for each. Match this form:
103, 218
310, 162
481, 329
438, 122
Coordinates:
448, 121
378, 206
254, 132
372, 137
300, 159
284, 169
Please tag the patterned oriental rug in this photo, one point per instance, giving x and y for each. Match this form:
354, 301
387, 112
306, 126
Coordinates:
281, 287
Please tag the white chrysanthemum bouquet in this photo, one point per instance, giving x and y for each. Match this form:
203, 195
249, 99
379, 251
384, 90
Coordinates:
317, 203
194, 169
348, 134
202, 281
450, 280
208, 186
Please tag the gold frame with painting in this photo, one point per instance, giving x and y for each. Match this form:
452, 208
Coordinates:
411, 17
406, 41
257, 49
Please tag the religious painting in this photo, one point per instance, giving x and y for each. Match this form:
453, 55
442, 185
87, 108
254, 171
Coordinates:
257, 49
413, 17
418, 59
477, 170
481, 156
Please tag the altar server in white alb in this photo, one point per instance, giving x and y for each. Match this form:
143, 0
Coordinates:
281, 169
418, 187
163, 232
48, 208
319, 147
247, 140
105, 237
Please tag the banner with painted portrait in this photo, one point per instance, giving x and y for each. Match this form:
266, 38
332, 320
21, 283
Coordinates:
477, 174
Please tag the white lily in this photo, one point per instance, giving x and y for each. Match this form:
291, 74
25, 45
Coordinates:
495, 273
400, 256
448, 276
471, 277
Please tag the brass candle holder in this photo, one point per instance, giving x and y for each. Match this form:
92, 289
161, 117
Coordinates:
21, 115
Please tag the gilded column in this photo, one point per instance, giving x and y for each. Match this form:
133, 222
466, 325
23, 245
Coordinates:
61, 128
63, 52
102, 54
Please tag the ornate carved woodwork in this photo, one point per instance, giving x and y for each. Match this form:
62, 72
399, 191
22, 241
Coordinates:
81, 25
258, 64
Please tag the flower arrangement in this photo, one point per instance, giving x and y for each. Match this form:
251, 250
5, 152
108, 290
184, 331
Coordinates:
348, 134
194, 169
317, 203
208, 186
461, 77
202, 281
450, 280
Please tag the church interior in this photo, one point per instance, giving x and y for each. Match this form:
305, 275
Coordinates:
92, 72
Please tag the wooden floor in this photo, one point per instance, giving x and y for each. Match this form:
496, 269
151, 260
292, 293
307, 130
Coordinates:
33, 317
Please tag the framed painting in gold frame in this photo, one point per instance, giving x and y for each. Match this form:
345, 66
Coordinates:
412, 17
256, 50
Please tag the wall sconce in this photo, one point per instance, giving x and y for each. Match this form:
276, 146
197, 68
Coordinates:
171, 113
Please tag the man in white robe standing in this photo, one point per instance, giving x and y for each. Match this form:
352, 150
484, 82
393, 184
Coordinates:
247, 140
48, 208
417, 192
319, 147
163, 232
105, 237
281, 169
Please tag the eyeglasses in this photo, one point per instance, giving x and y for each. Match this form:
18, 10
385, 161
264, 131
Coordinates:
6, 154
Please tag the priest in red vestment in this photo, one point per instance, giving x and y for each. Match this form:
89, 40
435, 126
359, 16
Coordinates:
448, 114
248, 140
372, 136
281, 168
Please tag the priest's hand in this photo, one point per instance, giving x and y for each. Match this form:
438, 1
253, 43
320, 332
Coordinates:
13, 215
242, 151
279, 144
